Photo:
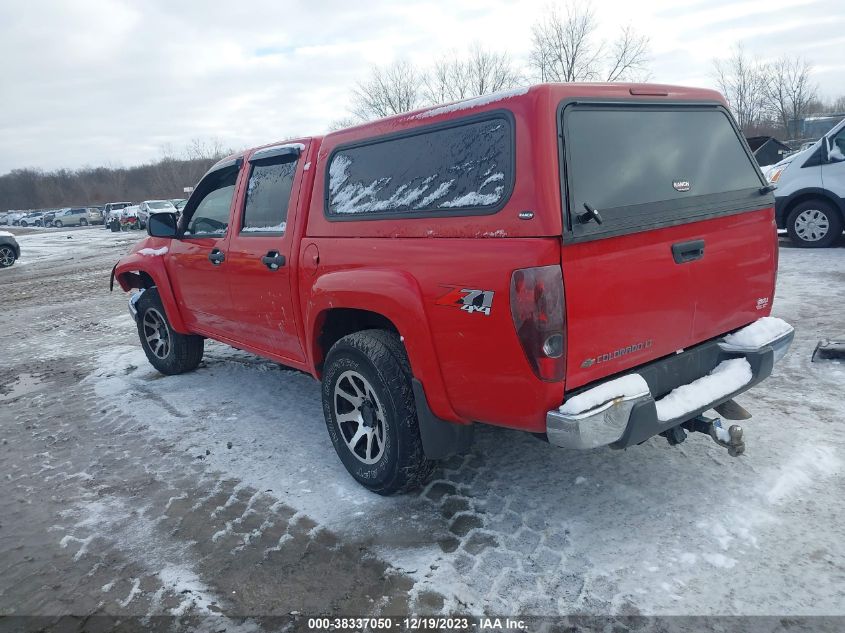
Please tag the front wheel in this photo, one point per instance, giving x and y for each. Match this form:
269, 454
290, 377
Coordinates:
83, 222
814, 224
168, 351
58, 224
368, 404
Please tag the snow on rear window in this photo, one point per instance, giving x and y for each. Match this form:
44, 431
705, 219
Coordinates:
464, 167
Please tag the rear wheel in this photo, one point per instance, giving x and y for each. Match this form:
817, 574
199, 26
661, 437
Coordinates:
83, 222
7, 256
23, 224
168, 351
814, 224
368, 404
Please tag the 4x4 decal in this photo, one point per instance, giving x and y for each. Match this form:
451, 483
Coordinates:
468, 299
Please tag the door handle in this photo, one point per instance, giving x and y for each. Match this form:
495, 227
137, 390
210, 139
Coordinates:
684, 252
273, 260
216, 256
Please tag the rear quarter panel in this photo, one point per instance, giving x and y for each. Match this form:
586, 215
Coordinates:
472, 365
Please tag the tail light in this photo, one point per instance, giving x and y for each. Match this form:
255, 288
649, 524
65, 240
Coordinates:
538, 308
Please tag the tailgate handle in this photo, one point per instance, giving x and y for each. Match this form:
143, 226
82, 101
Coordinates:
684, 252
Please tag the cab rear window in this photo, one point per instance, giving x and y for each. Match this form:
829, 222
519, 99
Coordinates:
460, 169
642, 167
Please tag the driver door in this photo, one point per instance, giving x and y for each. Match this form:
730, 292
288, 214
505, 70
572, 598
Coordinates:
197, 260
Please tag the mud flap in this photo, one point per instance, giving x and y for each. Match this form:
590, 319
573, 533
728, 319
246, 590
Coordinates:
440, 439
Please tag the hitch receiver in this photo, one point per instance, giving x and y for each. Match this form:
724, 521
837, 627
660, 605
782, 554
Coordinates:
730, 439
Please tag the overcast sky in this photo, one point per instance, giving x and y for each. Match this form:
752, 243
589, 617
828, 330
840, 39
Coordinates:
93, 82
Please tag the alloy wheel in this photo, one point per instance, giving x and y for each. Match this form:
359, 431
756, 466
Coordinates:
156, 333
360, 417
7, 256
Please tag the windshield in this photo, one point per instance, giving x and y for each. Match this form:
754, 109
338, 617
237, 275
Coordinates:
160, 205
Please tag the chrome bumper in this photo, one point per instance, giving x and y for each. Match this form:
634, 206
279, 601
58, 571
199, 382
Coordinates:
631, 418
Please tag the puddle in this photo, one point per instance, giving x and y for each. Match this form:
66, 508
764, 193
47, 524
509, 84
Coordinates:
23, 384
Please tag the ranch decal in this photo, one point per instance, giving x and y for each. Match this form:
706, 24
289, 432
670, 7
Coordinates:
468, 299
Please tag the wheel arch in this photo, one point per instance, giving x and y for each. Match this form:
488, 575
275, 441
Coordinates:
147, 272
348, 301
811, 193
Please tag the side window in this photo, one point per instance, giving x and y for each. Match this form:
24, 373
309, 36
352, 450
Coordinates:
837, 147
461, 169
211, 214
267, 197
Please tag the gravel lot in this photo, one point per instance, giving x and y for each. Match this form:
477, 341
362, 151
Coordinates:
128, 493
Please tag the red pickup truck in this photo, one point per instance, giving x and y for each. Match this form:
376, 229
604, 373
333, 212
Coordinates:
594, 264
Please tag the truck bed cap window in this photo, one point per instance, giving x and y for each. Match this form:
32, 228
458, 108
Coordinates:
643, 167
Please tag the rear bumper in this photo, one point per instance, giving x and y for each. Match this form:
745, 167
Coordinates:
632, 416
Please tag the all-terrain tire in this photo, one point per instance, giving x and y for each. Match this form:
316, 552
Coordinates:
378, 357
820, 213
182, 352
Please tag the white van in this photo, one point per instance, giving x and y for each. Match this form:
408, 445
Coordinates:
810, 194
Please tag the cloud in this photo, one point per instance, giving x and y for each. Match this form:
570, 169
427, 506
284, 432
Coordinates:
95, 82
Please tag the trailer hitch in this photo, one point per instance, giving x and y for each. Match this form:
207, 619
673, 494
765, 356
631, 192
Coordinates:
730, 438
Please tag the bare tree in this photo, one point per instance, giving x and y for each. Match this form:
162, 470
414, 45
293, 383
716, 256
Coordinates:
480, 72
565, 47
790, 92
392, 89
743, 81
628, 57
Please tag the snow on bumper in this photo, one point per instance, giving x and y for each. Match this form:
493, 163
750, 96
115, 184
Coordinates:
624, 411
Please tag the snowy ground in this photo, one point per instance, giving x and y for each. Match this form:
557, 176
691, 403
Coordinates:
126, 492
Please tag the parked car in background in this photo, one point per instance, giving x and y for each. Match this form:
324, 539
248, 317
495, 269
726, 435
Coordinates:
554, 273
95, 215
179, 203
36, 218
75, 216
110, 208
4, 218
130, 218
50, 216
810, 194
10, 251
156, 206
14, 218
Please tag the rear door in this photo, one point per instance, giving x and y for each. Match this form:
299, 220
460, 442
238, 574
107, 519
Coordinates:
197, 261
685, 250
259, 271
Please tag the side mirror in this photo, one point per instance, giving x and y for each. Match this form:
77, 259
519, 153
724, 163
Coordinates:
162, 224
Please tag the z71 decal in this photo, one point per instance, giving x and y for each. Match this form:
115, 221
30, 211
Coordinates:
468, 299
